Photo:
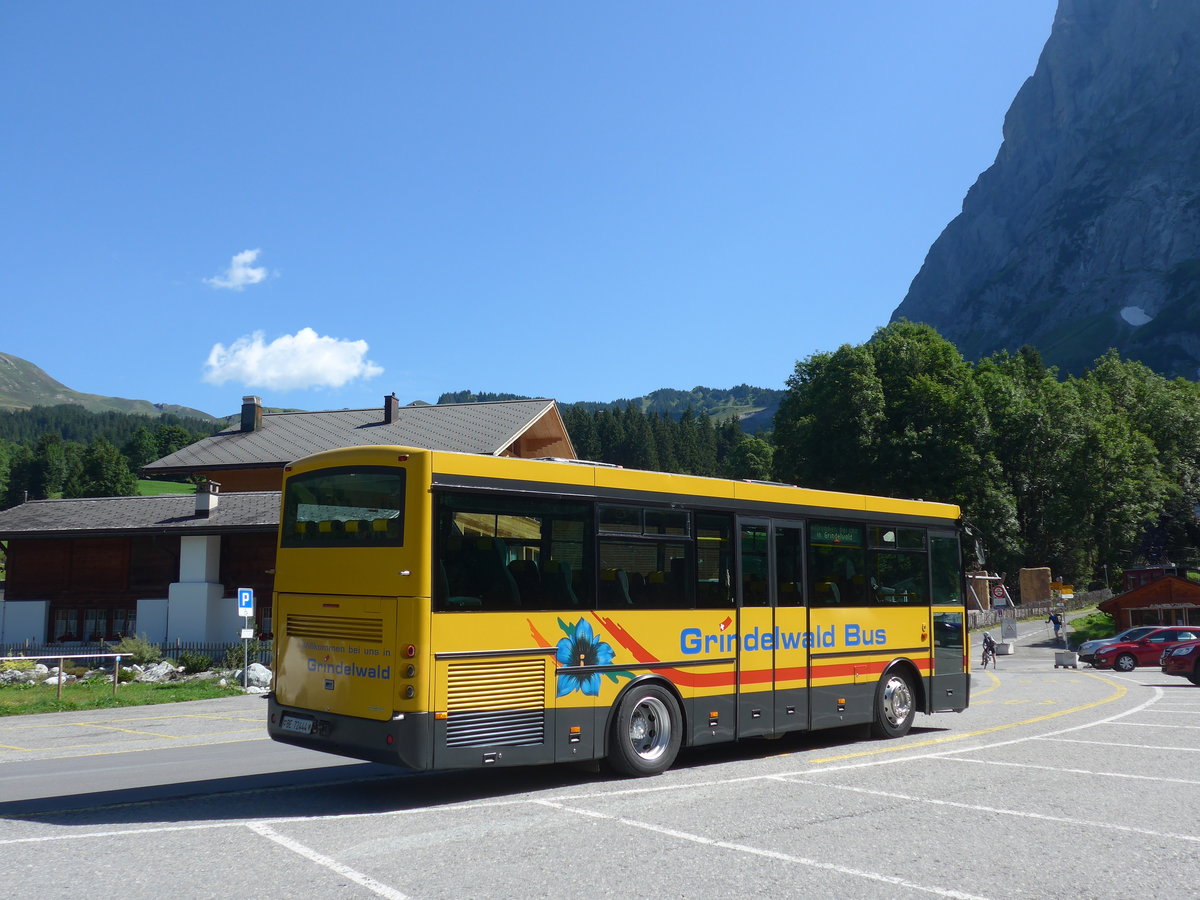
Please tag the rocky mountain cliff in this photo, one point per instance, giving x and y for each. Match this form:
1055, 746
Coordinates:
1085, 232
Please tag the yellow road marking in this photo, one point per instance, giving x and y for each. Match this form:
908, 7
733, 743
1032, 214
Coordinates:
133, 749
1117, 694
987, 690
150, 733
206, 717
174, 737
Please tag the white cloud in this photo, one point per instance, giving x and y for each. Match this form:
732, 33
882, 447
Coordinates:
240, 272
294, 361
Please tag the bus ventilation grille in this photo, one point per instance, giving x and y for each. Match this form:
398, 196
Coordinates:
496, 703
338, 628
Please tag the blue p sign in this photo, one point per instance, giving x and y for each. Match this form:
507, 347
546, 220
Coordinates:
245, 598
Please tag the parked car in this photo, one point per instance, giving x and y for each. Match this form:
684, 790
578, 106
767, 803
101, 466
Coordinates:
1182, 660
1087, 650
1125, 656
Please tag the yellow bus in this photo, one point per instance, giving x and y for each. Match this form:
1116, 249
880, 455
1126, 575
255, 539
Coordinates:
442, 610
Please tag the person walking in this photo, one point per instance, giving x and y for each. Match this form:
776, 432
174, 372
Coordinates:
1056, 621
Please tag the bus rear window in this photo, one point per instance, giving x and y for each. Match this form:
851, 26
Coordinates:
348, 507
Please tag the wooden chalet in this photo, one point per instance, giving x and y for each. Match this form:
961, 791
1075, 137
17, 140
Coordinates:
169, 566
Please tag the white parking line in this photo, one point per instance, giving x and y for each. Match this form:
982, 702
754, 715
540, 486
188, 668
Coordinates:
1019, 813
942, 753
326, 862
1115, 744
1059, 770
758, 851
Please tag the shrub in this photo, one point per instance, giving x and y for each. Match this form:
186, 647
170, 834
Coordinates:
138, 649
235, 655
21, 665
193, 661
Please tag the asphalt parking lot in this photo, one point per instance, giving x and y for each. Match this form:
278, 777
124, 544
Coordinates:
1055, 783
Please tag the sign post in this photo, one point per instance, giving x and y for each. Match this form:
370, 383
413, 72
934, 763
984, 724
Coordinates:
245, 602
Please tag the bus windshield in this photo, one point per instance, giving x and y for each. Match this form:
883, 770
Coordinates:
342, 507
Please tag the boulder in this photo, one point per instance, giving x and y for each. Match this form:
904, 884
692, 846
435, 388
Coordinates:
257, 676
157, 673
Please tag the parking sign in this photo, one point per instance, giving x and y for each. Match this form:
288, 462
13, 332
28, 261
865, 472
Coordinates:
245, 598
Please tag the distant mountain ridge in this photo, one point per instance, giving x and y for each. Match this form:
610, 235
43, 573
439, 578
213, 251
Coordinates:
24, 386
755, 407
1085, 232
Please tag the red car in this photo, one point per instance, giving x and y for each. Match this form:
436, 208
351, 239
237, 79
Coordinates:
1145, 651
1182, 660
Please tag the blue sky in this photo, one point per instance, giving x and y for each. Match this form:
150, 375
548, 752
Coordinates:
325, 203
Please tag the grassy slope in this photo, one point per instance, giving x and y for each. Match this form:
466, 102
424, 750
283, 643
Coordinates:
23, 385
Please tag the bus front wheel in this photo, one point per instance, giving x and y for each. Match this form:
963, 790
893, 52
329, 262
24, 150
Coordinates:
646, 732
894, 706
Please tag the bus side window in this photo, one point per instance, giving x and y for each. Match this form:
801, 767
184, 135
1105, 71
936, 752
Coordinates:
837, 561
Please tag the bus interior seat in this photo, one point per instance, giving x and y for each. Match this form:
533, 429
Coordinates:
529, 582
614, 588
500, 590
827, 593
475, 568
557, 582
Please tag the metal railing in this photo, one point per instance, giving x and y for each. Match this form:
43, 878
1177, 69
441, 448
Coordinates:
170, 650
63, 657
990, 618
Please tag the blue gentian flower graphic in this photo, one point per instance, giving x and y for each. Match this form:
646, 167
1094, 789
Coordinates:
581, 647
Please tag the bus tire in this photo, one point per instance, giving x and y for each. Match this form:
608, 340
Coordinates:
646, 733
895, 706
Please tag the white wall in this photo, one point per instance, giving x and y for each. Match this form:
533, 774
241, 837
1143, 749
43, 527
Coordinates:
194, 608
22, 620
152, 619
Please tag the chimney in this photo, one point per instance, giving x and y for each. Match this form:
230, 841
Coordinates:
251, 413
391, 409
206, 498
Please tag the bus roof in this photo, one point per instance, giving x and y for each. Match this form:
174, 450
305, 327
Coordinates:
451, 469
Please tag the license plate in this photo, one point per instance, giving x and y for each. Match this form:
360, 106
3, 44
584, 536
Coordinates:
296, 724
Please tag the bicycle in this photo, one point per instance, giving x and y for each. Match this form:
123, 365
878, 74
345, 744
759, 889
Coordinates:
989, 655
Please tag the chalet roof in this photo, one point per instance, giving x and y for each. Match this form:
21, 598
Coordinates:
1168, 591
488, 428
167, 514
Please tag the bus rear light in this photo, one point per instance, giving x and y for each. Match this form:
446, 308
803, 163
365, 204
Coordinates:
390, 739
403, 457
410, 651
410, 692
410, 672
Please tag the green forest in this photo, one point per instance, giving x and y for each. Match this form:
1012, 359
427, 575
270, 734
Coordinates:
1085, 474
66, 451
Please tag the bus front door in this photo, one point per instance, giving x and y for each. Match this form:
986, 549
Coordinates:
772, 671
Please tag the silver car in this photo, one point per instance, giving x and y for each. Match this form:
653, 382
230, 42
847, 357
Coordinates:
1087, 650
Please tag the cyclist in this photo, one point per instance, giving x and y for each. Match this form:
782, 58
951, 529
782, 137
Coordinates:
989, 650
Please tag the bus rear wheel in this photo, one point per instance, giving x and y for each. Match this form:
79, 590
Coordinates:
646, 732
894, 706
